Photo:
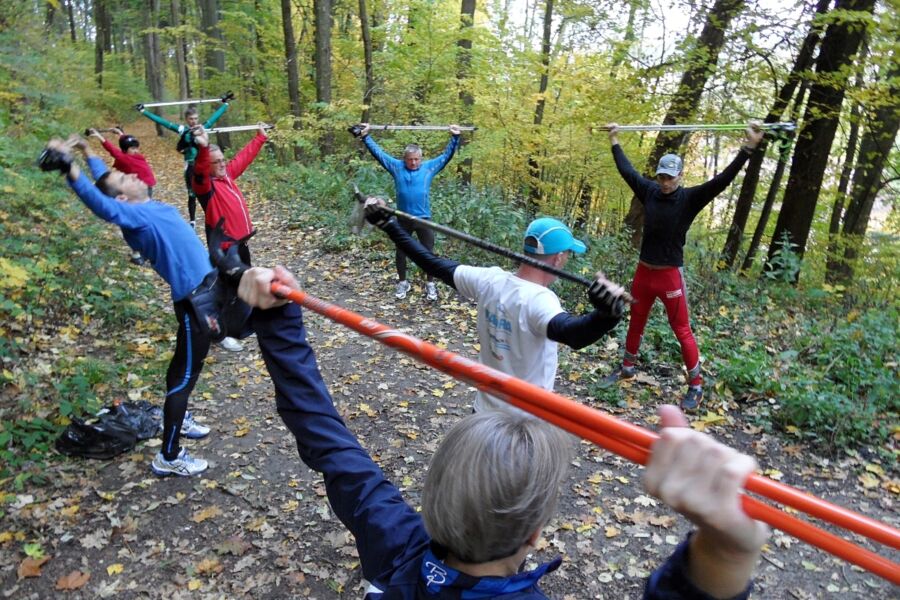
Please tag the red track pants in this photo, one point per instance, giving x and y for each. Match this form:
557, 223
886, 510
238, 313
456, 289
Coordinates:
668, 285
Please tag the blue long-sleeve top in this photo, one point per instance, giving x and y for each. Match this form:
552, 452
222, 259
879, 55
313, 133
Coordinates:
413, 188
395, 552
154, 229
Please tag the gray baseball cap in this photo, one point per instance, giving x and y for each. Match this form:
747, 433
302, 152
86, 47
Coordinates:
670, 165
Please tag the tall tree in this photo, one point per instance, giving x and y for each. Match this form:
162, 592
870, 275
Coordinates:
464, 64
322, 10
214, 55
534, 168
367, 58
702, 64
102, 42
877, 142
153, 69
290, 66
184, 84
751, 177
837, 208
839, 47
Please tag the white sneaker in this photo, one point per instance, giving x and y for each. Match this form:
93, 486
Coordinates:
192, 429
431, 291
402, 289
231, 344
182, 465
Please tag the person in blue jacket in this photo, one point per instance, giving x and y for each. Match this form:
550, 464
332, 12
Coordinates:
412, 182
158, 232
492, 485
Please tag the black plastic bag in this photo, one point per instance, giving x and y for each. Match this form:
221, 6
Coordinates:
103, 439
142, 417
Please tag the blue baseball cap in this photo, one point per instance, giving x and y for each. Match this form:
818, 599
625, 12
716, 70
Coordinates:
670, 165
552, 237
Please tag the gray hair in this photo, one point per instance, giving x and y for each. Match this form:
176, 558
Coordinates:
191, 110
492, 483
412, 149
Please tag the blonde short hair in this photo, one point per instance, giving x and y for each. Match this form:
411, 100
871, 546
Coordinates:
492, 483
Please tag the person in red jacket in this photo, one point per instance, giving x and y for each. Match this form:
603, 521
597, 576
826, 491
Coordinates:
128, 159
215, 187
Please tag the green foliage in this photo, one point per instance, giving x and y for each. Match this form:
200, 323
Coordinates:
62, 270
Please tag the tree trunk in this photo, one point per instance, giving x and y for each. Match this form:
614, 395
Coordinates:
841, 42
102, 38
877, 141
367, 56
751, 177
684, 104
832, 262
620, 52
214, 57
323, 65
290, 65
71, 14
784, 153
464, 63
180, 62
152, 56
534, 168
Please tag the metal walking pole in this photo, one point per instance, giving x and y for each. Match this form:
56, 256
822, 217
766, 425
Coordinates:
485, 245
701, 127
233, 128
628, 440
180, 102
419, 127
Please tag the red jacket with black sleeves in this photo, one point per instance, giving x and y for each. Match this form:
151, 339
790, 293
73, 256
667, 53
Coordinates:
131, 163
220, 196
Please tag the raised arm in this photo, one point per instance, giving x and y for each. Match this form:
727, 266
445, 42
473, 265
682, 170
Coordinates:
391, 165
237, 165
158, 119
701, 479
439, 162
701, 195
386, 529
201, 183
216, 115
639, 184
442, 268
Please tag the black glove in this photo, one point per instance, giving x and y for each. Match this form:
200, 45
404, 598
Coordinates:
54, 160
228, 262
228, 96
356, 130
376, 215
602, 298
139, 107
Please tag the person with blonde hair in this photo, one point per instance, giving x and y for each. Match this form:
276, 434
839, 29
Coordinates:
492, 486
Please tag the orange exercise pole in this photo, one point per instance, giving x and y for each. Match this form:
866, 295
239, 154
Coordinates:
631, 441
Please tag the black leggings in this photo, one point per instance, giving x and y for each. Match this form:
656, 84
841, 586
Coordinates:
426, 238
192, 197
191, 348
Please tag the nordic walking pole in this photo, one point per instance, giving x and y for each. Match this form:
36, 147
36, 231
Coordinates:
225, 98
410, 128
701, 127
233, 128
104, 130
485, 245
631, 441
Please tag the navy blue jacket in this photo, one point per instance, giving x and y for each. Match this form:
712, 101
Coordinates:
395, 551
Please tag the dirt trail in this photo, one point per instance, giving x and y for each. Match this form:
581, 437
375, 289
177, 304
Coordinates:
257, 523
